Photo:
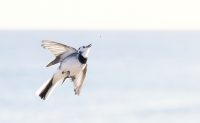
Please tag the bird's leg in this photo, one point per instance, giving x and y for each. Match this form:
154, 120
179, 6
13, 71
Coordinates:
64, 80
67, 74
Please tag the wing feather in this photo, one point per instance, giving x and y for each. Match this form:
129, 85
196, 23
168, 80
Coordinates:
57, 48
78, 81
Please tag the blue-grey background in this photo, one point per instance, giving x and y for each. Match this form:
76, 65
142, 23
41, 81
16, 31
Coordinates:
133, 76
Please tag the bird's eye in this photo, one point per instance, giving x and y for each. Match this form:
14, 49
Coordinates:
83, 46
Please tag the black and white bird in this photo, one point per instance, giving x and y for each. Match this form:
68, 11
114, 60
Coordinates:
73, 65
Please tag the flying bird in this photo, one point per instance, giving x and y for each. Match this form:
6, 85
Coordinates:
73, 65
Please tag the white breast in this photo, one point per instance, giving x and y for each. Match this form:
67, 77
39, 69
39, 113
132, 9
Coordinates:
73, 65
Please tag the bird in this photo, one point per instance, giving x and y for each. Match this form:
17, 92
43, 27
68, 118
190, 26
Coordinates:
73, 65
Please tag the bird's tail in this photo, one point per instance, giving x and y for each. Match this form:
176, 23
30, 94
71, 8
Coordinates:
46, 89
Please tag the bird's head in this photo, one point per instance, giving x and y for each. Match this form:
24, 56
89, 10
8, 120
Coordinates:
84, 50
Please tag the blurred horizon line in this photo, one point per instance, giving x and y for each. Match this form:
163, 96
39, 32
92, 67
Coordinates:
108, 30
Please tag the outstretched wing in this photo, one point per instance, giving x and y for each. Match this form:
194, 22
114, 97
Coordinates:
57, 48
78, 81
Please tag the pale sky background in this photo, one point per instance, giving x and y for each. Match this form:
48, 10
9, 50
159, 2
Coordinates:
100, 14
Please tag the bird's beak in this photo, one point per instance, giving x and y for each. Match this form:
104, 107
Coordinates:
88, 46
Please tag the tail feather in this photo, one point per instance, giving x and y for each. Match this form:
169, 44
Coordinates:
46, 89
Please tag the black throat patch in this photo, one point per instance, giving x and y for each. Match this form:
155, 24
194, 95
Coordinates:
82, 59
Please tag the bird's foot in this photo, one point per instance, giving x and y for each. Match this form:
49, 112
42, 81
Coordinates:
67, 74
